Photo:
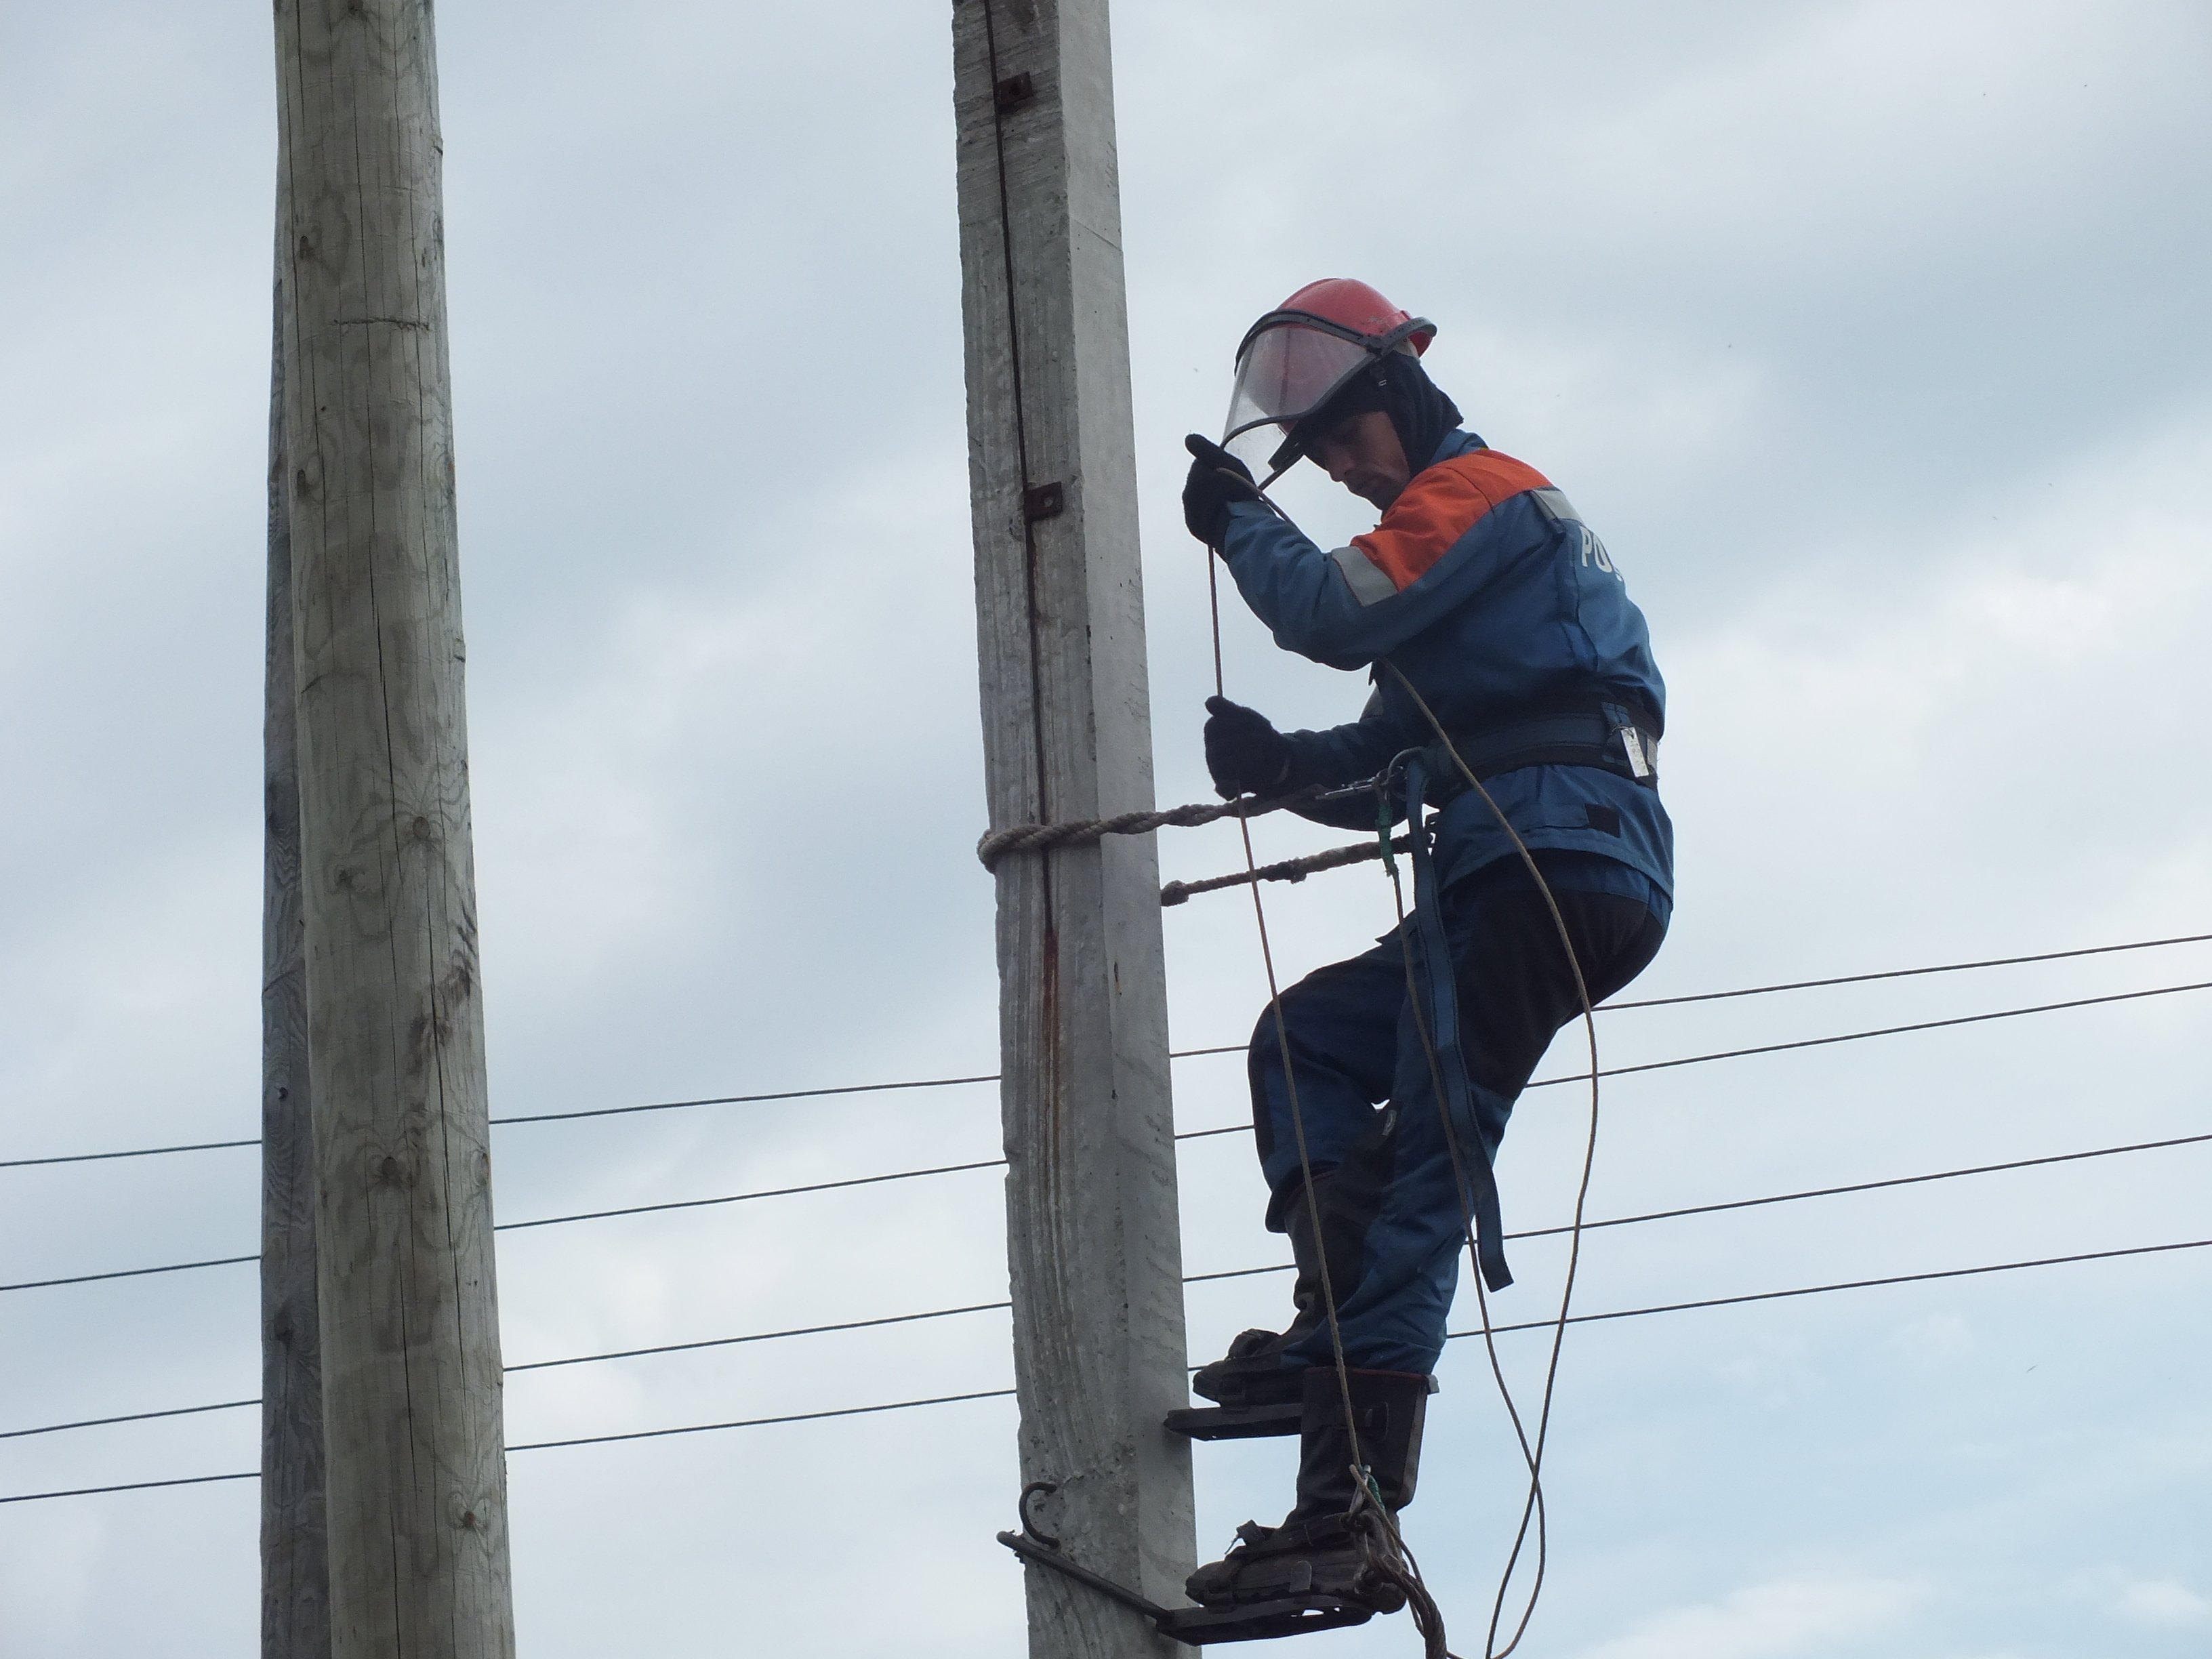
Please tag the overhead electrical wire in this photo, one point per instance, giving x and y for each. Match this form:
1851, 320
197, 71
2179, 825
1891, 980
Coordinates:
1880, 1031
128, 1417
1903, 973
1849, 1284
1717, 1207
130, 1273
1680, 1213
1742, 1299
1228, 1272
1192, 1134
1180, 1053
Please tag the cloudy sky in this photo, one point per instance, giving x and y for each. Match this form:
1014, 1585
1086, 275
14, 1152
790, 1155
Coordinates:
1871, 334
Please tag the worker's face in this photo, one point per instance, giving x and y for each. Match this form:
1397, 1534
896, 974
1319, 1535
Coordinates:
1363, 453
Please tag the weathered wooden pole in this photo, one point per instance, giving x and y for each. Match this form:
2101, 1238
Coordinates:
417, 1484
295, 1584
1096, 1257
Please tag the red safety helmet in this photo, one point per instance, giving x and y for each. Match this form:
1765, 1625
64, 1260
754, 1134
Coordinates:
1300, 355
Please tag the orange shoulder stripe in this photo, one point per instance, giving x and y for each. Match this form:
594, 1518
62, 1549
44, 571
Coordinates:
1442, 504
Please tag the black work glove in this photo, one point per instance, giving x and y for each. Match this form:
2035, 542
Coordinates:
1243, 751
1216, 478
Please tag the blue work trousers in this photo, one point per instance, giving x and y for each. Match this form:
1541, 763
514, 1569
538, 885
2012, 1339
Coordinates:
1392, 1219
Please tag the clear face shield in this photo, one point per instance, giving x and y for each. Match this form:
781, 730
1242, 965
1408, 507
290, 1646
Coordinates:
1290, 366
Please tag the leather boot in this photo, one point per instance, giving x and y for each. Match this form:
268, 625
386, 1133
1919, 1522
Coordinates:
1253, 1373
1322, 1550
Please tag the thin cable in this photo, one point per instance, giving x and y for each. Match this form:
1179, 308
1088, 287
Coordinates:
573, 1359
133, 1151
1466, 1208
1533, 1510
547, 1445
1452, 1336
1290, 1071
1904, 973
128, 1417
765, 1422
1722, 1206
1367, 1500
1855, 1285
131, 1272
130, 1486
766, 1192
1179, 1054
1242, 1273
764, 1336
1880, 1031
751, 1100
1237, 1128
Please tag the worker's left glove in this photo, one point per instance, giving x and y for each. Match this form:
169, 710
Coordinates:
1243, 751
1217, 479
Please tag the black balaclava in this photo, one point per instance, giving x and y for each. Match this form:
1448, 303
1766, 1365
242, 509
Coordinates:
1396, 384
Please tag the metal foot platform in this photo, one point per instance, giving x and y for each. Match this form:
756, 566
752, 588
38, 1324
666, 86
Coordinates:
1254, 1621
1241, 1422
1235, 1422
1193, 1626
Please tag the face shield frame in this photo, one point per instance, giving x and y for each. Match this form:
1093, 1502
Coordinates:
1307, 372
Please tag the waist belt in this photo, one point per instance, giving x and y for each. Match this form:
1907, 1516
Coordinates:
1618, 737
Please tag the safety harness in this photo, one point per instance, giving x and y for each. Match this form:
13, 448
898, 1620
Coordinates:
1613, 734
1618, 736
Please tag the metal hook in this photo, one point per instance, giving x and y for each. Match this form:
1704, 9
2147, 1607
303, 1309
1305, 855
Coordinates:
1030, 1528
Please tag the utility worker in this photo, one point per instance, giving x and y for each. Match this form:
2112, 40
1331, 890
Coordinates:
1483, 594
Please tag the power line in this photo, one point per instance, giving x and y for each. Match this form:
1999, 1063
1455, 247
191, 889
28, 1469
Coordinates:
1847, 1285
751, 1100
573, 1359
1539, 1083
134, 1151
769, 1192
129, 1417
548, 1446
1881, 1031
1906, 972
132, 1485
759, 1336
1180, 1053
765, 1422
1721, 1206
1679, 1213
1002, 1393
130, 1272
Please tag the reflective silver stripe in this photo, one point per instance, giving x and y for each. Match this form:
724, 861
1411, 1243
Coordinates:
1555, 506
1637, 766
1366, 580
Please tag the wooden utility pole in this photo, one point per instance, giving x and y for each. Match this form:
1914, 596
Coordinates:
295, 1579
416, 1472
1093, 1245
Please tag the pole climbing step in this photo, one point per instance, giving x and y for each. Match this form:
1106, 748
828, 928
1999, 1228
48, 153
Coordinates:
1235, 1422
1193, 1626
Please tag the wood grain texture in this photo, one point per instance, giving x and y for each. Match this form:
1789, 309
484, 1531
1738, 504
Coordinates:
295, 1616
409, 1317
1093, 1242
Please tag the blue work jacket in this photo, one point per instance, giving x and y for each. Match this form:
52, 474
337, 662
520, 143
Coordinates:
1484, 586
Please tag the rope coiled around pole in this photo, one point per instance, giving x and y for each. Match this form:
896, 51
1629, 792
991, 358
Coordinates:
1043, 837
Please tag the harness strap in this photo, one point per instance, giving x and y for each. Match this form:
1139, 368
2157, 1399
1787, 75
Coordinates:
1432, 957
1617, 736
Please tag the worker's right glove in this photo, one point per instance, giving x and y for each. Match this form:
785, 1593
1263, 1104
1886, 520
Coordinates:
1217, 479
1243, 751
